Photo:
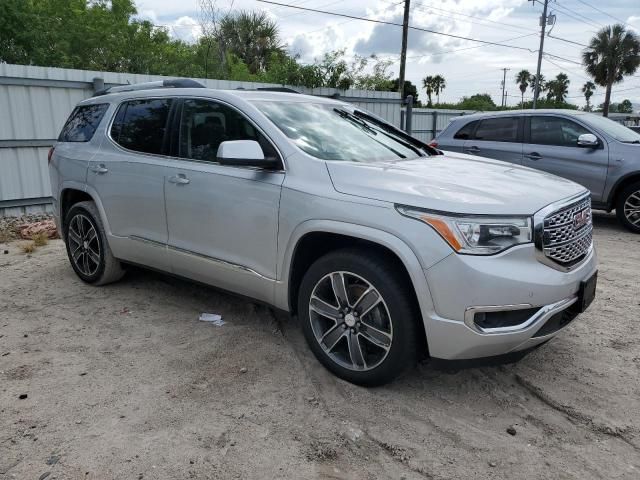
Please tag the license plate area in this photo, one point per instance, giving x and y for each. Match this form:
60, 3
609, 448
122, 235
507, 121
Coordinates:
587, 293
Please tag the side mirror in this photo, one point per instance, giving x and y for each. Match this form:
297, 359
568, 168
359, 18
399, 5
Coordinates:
243, 153
588, 140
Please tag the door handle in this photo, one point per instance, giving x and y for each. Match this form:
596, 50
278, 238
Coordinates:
180, 179
473, 149
99, 169
534, 156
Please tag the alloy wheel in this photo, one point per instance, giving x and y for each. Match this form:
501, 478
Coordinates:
84, 246
350, 321
632, 208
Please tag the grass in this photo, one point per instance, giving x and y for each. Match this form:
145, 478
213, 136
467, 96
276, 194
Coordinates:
28, 247
40, 239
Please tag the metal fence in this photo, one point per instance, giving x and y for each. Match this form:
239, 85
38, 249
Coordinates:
35, 102
426, 123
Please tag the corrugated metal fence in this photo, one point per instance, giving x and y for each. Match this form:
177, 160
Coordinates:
426, 123
35, 102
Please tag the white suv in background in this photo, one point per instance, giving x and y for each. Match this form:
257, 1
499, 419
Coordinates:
382, 246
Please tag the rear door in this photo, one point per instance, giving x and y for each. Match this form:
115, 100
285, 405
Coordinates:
499, 138
128, 177
452, 139
552, 146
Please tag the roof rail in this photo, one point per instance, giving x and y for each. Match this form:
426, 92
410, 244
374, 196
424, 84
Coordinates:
177, 83
272, 89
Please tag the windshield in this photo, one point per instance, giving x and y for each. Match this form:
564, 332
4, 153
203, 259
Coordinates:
332, 132
614, 129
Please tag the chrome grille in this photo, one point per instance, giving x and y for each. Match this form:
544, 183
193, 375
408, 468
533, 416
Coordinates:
568, 233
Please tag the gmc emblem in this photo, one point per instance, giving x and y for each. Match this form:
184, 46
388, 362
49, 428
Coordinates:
581, 219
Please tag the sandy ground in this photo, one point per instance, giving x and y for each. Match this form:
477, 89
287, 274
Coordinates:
124, 382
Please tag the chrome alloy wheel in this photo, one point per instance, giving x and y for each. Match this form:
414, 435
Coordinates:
632, 208
84, 246
350, 321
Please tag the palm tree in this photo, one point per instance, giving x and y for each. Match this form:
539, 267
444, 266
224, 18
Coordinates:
543, 83
439, 84
251, 36
613, 53
588, 89
522, 79
558, 88
428, 84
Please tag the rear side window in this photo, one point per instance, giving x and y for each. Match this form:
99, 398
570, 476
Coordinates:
465, 132
140, 125
501, 129
82, 123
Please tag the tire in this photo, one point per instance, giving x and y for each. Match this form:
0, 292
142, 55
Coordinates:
87, 246
383, 341
628, 207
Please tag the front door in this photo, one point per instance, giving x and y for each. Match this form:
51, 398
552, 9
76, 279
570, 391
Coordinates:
552, 146
222, 220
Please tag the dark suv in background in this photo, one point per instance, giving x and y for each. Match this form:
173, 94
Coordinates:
589, 149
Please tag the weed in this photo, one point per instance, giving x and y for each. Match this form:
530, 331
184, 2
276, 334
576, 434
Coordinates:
28, 247
40, 239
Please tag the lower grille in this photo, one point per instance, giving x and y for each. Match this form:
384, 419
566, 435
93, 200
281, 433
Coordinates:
558, 321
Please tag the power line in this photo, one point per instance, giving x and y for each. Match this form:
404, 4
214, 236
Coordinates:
602, 11
469, 48
382, 22
577, 16
567, 41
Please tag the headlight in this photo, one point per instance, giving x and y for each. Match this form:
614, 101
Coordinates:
475, 235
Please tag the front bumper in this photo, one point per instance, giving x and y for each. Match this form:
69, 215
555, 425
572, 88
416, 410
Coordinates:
462, 285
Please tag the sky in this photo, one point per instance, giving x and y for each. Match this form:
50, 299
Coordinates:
467, 66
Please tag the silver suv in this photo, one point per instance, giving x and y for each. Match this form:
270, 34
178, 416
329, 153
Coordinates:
383, 247
594, 151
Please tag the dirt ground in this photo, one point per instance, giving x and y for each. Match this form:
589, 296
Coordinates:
124, 382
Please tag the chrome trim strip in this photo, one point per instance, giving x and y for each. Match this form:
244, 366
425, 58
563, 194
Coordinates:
223, 263
538, 232
146, 240
540, 316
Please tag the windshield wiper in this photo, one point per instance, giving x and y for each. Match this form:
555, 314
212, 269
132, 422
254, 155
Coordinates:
367, 128
631, 141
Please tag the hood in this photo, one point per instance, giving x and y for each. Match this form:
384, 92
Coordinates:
455, 183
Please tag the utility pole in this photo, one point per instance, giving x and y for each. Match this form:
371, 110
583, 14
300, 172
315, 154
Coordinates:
543, 24
403, 52
504, 84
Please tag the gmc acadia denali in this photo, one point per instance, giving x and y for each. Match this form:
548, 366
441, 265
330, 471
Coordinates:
382, 246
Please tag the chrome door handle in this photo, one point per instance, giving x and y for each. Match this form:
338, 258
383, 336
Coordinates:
534, 156
99, 169
473, 149
180, 179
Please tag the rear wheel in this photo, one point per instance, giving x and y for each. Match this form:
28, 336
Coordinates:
87, 247
628, 207
358, 318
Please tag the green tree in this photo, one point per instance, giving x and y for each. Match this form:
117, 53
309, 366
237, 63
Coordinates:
558, 88
428, 83
587, 89
522, 79
409, 89
479, 101
613, 53
439, 84
541, 80
252, 37
625, 106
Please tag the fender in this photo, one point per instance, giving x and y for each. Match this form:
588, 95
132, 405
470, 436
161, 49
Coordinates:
406, 255
83, 187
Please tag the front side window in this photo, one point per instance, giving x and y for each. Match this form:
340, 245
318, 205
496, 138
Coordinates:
205, 124
82, 123
331, 132
557, 131
140, 125
465, 132
501, 129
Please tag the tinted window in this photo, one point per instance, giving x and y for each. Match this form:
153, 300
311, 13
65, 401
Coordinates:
140, 124
205, 125
82, 123
555, 131
465, 132
502, 129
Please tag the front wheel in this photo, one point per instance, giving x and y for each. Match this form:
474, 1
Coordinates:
628, 207
358, 317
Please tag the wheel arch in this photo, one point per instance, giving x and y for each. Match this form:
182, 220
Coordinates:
73, 193
313, 239
620, 185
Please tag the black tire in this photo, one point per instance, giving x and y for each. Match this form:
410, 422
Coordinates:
630, 195
94, 262
391, 285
